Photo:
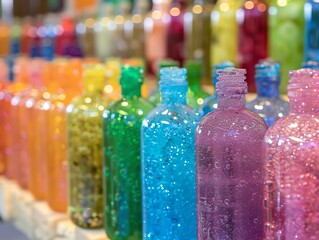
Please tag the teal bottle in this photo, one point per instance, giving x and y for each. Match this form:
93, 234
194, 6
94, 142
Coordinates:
122, 122
168, 163
210, 103
155, 96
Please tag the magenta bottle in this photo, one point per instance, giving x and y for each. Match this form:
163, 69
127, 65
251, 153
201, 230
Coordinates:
252, 18
175, 31
291, 188
229, 165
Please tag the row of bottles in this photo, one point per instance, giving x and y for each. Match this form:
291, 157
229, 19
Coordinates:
243, 32
127, 159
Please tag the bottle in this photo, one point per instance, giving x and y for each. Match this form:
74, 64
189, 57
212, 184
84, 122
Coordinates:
286, 22
311, 64
156, 34
224, 44
229, 165
155, 96
11, 99
122, 185
268, 103
4, 39
66, 86
4, 76
252, 18
137, 42
168, 162
210, 103
84, 149
112, 87
311, 11
291, 152
175, 31
103, 34
86, 34
197, 21
194, 77
122, 30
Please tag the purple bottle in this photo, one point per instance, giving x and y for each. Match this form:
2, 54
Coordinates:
229, 165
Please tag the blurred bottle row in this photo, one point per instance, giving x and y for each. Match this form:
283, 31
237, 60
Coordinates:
242, 31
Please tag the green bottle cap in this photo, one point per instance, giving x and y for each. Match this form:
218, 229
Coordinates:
194, 71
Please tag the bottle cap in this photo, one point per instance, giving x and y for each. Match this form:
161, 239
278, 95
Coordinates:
267, 70
173, 76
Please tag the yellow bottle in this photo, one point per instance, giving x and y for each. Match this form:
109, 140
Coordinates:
224, 31
112, 88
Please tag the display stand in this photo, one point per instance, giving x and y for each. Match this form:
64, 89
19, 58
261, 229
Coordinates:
36, 220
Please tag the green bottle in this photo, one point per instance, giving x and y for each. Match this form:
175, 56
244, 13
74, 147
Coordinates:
84, 149
195, 94
286, 28
121, 150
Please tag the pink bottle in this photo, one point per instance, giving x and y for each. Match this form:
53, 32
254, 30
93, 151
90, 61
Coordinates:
291, 187
253, 33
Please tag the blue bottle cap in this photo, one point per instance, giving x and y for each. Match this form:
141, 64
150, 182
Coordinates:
267, 70
173, 76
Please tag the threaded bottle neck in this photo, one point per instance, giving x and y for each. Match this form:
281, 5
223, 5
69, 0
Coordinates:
303, 91
231, 88
173, 85
217, 67
267, 79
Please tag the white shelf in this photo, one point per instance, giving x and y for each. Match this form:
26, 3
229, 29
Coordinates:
36, 219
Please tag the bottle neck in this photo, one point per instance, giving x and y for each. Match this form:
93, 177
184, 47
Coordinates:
175, 95
194, 82
131, 92
232, 102
268, 90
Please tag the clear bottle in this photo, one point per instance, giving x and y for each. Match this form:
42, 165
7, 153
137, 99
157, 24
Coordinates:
156, 34
224, 31
155, 96
311, 11
286, 22
210, 103
229, 165
103, 32
197, 20
291, 168
137, 42
84, 149
121, 133
194, 78
168, 162
252, 20
122, 34
268, 103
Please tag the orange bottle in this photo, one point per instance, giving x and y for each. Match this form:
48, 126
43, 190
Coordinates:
68, 75
16, 167
3, 91
25, 121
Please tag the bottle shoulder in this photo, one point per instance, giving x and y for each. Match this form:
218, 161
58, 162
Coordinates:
233, 119
294, 129
172, 114
128, 107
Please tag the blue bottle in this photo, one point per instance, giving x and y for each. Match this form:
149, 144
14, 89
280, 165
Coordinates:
168, 162
14, 53
312, 30
210, 103
268, 103
311, 64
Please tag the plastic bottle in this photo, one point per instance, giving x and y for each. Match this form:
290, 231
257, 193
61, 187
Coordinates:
229, 165
252, 18
286, 22
291, 167
168, 162
122, 168
268, 103
210, 103
84, 149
